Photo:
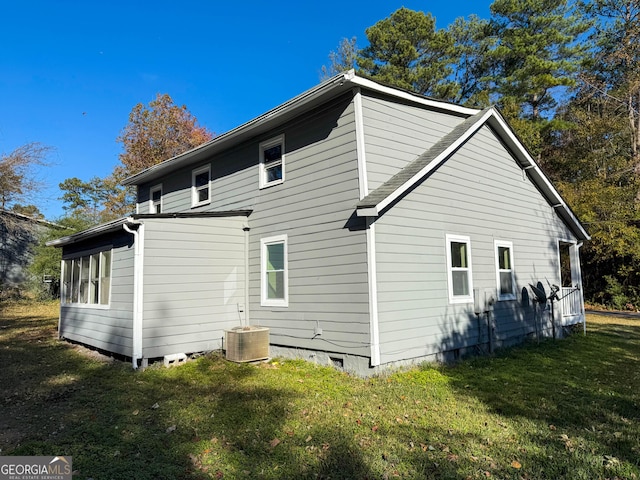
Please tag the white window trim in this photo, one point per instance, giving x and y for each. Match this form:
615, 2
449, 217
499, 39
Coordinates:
459, 298
152, 190
509, 245
271, 302
194, 191
63, 292
263, 173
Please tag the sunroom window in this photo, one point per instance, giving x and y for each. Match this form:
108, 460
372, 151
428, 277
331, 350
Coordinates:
86, 280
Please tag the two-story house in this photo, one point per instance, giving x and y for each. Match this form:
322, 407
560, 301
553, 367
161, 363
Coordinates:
363, 225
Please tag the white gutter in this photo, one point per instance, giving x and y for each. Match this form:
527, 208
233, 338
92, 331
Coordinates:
138, 285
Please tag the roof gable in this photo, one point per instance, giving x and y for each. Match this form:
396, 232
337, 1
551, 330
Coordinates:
322, 93
398, 185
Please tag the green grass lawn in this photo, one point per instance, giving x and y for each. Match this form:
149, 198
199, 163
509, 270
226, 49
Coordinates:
557, 409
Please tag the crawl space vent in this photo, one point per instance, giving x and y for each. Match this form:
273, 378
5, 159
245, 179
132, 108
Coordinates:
246, 344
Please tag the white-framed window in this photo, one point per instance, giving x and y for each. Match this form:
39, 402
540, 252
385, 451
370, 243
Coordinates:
459, 269
274, 281
155, 199
201, 186
86, 280
505, 277
272, 162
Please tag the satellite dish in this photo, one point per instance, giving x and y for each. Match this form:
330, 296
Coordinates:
539, 293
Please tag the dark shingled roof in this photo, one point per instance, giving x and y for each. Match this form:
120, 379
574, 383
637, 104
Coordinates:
413, 168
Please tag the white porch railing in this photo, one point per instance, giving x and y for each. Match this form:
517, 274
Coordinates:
571, 302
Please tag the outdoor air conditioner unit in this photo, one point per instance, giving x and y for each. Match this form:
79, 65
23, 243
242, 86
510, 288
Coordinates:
247, 344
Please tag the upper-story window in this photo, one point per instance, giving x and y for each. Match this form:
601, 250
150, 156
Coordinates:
272, 162
155, 199
201, 186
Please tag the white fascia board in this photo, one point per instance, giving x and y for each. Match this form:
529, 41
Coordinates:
371, 85
365, 212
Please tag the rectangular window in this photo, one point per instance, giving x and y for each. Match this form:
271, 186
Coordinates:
274, 272
87, 279
505, 278
272, 162
201, 186
155, 199
459, 269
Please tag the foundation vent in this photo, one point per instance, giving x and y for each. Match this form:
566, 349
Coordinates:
247, 344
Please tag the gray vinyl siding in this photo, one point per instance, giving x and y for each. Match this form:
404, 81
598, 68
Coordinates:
397, 133
328, 286
194, 283
479, 192
234, 183
109, 328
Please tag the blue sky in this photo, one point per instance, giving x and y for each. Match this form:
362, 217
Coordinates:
71, 71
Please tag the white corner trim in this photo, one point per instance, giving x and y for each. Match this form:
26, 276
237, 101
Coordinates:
363, 181
373, 293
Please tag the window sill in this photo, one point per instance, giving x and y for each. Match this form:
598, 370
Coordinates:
271, 184
460, 300
274, 303
89, 306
